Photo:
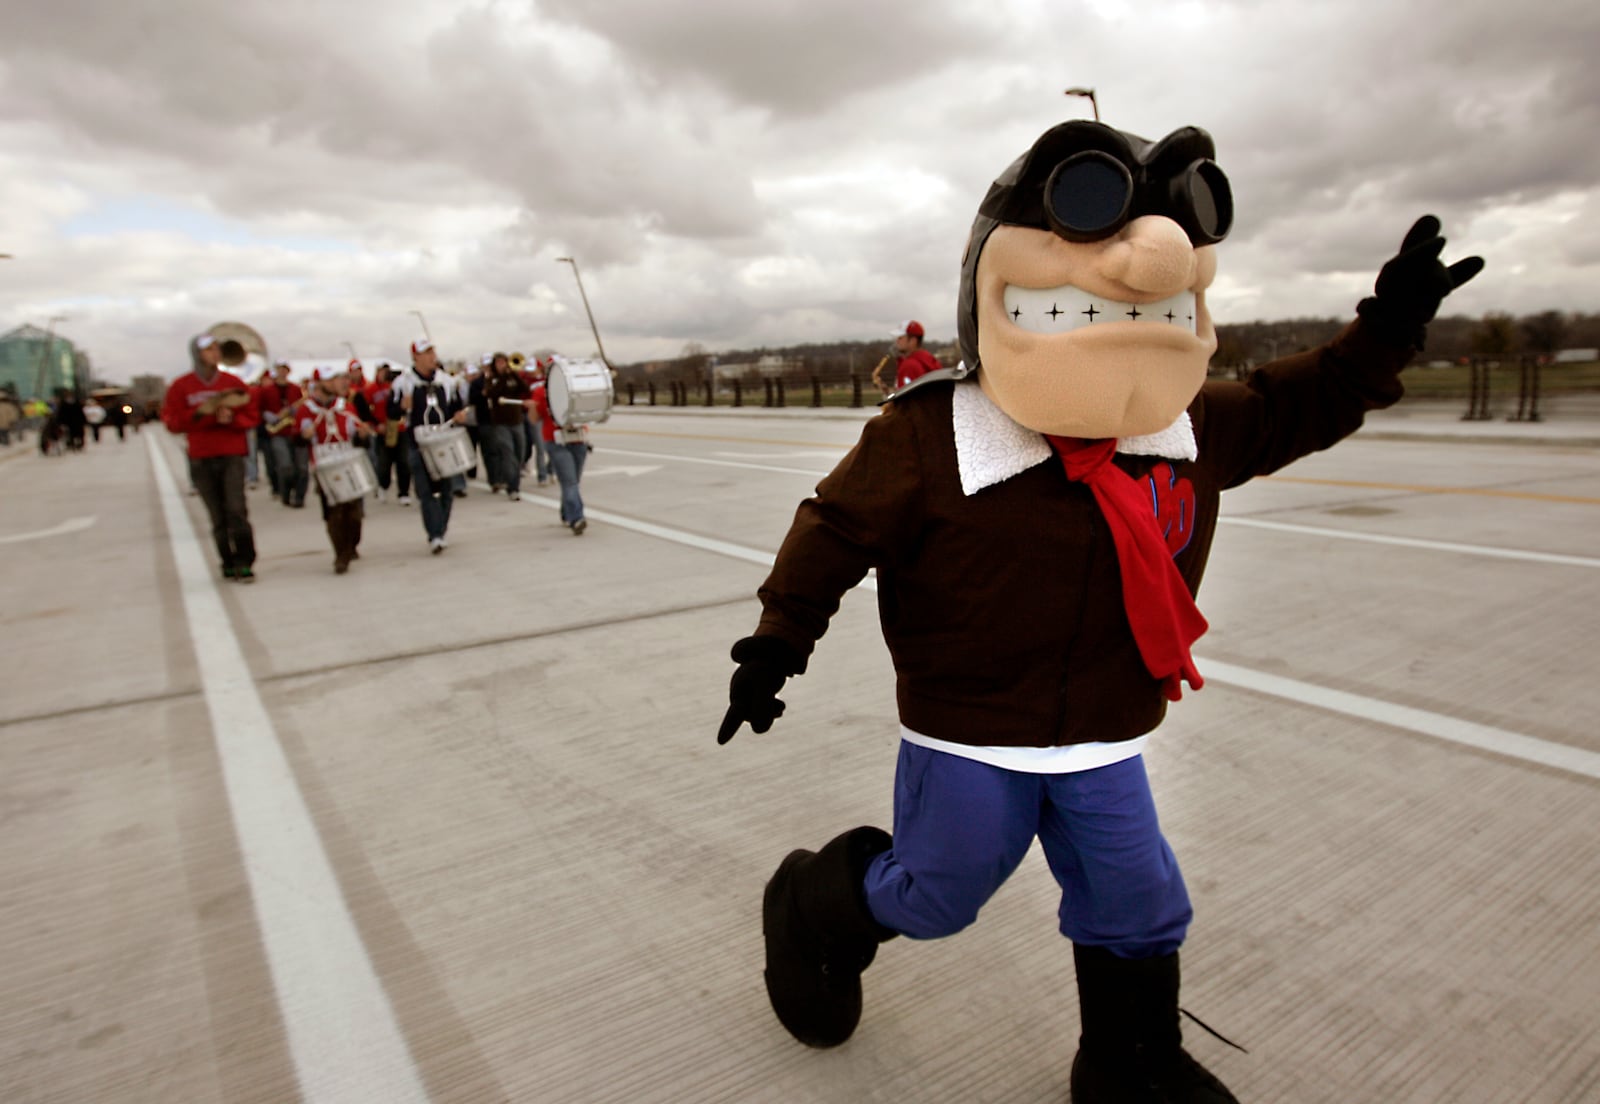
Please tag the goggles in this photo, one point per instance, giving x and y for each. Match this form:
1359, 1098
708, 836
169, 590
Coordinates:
1085, 181
1092, 195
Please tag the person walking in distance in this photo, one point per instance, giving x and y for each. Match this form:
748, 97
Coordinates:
426, 396
215, 411
505, 395
389, 422
569, 448
324, 419
278, 397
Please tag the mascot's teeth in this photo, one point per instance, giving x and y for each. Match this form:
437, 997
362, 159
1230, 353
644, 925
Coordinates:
1059, 310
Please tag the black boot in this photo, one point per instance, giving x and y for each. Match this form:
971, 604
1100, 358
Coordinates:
820, 937
1131, 1051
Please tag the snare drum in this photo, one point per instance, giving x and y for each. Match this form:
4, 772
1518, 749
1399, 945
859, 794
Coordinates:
446, 449
579, 391
343, 472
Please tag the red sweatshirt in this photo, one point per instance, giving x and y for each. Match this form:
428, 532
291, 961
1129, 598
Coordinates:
207, 436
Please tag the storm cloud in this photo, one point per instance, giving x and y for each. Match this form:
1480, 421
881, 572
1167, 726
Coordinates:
739, 173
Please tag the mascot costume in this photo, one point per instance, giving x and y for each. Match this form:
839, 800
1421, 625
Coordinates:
1039, 519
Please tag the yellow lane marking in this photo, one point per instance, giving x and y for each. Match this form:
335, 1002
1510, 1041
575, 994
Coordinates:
1413, 488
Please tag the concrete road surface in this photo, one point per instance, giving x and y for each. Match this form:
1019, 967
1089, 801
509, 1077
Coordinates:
455, 828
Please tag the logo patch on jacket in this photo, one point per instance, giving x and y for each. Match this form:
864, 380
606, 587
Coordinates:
1172, 500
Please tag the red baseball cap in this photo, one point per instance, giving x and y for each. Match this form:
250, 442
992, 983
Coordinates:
353, 366
910, 328
420, 346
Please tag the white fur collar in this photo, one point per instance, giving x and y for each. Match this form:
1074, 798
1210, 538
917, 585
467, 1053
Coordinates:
991, 448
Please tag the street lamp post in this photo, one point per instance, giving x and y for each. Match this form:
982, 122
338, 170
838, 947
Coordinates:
586, 310
1088, 94
424, 322
352, 349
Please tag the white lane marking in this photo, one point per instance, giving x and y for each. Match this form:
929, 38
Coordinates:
71, 525
609, 449
1504, 742
679, 536
807, 454
1484, 737
1417, 542
1254, 523
343, 1037
629, 470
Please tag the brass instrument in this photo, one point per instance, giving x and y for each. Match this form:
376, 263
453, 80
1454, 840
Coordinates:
234, 398
518, 362
877, 375
238, 343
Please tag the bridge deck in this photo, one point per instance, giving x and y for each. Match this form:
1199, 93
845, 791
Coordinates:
1385, 802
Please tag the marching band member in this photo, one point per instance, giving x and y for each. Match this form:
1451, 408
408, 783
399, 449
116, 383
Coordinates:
390, 449
323, 418
278, 399
216, 411
569, 448
505, 397
425, 395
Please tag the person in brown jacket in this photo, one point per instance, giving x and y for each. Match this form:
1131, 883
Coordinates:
1039, 519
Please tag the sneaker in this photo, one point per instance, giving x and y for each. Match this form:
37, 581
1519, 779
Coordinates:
514, 496
579, 526
383, 495
229, 574
341, 566
497, 488
244, 574
404, 500
460, 492
436, 545
544, 480
443, 543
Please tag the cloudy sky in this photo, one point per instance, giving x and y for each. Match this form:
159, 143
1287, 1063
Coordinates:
739, 172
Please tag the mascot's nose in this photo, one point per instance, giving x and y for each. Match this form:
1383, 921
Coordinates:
1152, 254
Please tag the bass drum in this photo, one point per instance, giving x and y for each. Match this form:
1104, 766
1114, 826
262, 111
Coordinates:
579, 391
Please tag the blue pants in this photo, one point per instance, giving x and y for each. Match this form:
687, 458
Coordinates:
567, 460
961, 827
435, 497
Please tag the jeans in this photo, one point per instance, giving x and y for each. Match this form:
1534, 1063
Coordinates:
961, 827
292, 462
502, 450
541, 453
251, 468
220, 482
300, 470
393, 457
267, 458
434, 496
567, 460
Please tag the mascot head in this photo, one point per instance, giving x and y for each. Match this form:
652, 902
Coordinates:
1082, 305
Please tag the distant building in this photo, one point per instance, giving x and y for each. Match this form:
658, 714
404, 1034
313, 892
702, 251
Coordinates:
147, 389
1577, 356
36, 363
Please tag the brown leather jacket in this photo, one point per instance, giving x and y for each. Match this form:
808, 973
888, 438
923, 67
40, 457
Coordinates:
1003, 609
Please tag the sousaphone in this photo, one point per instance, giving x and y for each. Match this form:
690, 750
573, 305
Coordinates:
241, 347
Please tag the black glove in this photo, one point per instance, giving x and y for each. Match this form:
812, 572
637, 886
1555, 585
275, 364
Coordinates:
765, 664
1414, 282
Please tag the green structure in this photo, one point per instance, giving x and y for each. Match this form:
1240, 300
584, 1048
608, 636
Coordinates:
35, 363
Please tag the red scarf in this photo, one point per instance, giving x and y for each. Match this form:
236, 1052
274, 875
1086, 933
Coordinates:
1160, 609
